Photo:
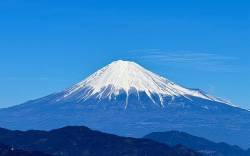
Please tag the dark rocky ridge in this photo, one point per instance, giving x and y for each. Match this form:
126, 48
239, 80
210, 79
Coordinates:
81, 141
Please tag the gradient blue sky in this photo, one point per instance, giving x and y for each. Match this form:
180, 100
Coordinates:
48, 45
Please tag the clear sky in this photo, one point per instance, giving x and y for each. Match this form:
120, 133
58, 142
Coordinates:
48, 45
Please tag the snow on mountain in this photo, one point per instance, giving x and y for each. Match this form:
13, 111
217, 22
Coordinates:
125, 76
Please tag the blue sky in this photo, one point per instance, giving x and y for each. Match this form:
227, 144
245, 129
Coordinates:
46, 46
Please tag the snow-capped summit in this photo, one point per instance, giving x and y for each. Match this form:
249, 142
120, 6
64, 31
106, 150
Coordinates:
126, 76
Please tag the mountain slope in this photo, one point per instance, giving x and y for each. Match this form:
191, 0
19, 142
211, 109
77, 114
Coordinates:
204, 146
81, 141
125, 99
129, 77
8, 151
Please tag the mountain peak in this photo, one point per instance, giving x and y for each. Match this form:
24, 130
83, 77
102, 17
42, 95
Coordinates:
126, 76
123, 62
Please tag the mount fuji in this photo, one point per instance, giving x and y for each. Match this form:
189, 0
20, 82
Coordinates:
126, 99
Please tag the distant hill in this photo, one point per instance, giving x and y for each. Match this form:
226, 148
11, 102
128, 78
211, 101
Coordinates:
81, 141
9, 151
204, 146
